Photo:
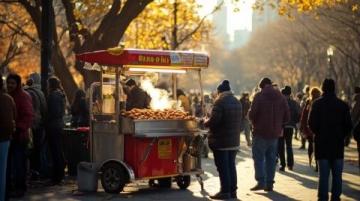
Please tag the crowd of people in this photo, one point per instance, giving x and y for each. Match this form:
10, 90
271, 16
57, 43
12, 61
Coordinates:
32, 122
323, 119
31, 137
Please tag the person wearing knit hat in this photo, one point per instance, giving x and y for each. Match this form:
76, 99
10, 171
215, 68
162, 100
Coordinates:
268, 113
224, 138
224, 86
288, 130
264, 82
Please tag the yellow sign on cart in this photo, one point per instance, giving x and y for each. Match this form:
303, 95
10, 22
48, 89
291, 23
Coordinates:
164, 148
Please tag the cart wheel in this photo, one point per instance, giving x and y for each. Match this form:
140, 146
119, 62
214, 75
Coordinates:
165, 182
113, 178
183, 181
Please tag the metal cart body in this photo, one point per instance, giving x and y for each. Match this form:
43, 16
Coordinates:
124, 149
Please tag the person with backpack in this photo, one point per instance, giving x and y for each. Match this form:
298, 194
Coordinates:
39, 104
288, 131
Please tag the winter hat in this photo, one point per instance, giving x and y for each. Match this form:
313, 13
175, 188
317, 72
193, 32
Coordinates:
130, 82
224, 86
36, 78
286, 90
264, 81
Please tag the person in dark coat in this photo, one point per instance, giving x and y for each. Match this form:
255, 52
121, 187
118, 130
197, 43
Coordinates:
17, 166
288, 131
136, 97
55, 124
245, 103
268, 113
37, 165
330, 121
224, 138
355, 116
80, 110
7, 128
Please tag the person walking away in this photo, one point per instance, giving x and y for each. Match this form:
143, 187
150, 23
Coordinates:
288, 131
7, 128
330, 121
315, 93
55, 124
245, 103
185, 102
17, 161
306, 96
37, 165
224, 139
136, 97
80, 110
355, 116
268, 113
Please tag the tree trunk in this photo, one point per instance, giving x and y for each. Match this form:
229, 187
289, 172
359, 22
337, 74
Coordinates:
63, 73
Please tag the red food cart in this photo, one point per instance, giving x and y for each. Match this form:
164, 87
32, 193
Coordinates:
125, 149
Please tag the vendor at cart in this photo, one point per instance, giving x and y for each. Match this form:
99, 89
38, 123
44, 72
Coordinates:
136, 97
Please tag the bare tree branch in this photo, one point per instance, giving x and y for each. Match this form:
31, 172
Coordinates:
187, 36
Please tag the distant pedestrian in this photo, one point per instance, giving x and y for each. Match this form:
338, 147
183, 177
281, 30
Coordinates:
355, 116
55, 124
224, 139
315, 93
268, 113
245, 103
306, 96
37, 165
330, 121
17, 166
288, 131
80, 110
7, 128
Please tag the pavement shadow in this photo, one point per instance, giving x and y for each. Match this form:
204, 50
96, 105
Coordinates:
349, 187
276, 196
167, 194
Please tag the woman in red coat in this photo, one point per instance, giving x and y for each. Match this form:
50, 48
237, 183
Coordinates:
20, 139
315, 93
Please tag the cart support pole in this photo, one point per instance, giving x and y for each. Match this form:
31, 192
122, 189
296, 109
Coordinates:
174, 85
202, 94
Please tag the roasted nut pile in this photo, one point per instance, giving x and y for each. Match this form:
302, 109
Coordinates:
148, 114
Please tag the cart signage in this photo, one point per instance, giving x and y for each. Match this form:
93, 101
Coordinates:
134, 57
154, 60
164, 148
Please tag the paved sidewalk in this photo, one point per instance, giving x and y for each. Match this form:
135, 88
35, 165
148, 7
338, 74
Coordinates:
299, 184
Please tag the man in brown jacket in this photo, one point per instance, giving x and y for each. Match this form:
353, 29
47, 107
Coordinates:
7, 127
268, 113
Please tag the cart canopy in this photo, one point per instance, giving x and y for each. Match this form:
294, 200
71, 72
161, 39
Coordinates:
133, 58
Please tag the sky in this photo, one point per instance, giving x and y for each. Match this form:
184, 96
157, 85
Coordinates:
237, 20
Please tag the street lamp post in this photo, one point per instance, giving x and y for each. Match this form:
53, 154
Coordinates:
330, 54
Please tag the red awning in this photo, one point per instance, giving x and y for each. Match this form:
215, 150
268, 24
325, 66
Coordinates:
151, 58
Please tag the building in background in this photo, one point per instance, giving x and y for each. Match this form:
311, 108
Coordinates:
220, 21
262, 18
241, 37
